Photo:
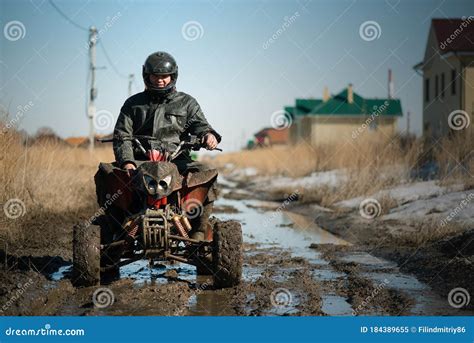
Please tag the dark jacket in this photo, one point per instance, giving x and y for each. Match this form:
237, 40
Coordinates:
170, 119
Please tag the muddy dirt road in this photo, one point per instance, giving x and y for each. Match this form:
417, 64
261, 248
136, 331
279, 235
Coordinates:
291, 267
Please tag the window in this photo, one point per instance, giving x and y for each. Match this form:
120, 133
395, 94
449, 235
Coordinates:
436, 86
442, 85
453, 82
427, 89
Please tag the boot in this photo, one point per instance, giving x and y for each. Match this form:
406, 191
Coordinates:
200, 223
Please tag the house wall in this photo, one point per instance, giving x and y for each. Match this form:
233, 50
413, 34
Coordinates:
294, 131
437, 109
330, 129
469, 92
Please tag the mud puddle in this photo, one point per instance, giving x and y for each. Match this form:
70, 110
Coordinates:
291, 267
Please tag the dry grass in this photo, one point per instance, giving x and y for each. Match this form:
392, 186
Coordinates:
369, 152
426, 232
49, 178
455, 156
56, 176
371, 162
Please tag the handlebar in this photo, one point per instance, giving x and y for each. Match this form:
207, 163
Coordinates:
126, 138
193, 143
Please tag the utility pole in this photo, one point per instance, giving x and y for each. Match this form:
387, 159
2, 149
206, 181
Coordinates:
93, 90
408, 123
131, 78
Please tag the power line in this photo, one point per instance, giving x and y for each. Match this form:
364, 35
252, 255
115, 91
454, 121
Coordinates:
67, 18
110, 61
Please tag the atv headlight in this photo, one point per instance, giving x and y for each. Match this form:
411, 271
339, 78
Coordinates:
164, 183
150, 184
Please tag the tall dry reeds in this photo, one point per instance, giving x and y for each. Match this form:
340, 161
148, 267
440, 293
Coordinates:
47, 184
371, 162
53, 175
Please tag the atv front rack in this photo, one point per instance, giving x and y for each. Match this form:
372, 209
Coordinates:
157, 241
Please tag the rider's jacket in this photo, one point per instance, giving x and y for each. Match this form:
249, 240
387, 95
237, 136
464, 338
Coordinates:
170, 119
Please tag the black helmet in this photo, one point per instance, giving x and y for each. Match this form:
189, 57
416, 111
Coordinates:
160, 63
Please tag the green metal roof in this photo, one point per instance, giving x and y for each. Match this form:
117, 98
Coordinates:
306, 105
289, 109
338, 105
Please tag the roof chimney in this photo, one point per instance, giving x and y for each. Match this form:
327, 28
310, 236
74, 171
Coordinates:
350, 94
390, 84
326, 94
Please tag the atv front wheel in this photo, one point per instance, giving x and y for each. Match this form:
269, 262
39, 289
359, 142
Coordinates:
204, 266
86, 255
227, 253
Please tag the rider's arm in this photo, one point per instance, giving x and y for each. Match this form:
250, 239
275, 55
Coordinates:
197, 123
123, 150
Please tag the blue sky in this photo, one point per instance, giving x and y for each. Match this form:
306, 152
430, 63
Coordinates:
238, 77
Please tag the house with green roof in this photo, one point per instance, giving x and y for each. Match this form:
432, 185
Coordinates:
346, 115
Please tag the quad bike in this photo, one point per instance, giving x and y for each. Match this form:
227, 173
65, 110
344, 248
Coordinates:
148, 213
